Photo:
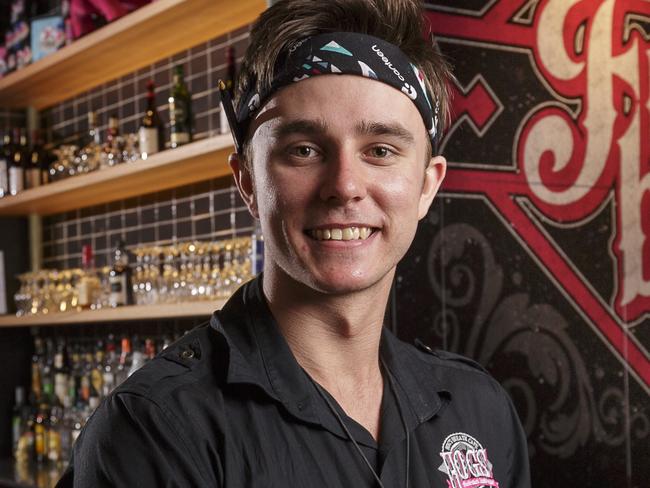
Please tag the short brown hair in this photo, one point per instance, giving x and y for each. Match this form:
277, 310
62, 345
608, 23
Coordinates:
400, 22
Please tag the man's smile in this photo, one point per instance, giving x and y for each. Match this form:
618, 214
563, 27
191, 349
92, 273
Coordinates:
341, 233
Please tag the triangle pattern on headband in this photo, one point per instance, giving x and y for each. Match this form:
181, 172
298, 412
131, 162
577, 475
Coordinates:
367, 70
334, 69
335, 47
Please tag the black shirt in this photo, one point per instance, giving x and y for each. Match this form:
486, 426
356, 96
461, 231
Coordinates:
229, 406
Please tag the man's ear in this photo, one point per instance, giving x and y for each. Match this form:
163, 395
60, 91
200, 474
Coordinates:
433, 177
244, 182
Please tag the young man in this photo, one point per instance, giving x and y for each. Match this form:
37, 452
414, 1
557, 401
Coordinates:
296, 383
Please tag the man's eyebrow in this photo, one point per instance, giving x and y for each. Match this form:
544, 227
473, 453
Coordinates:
385, 129
300, 126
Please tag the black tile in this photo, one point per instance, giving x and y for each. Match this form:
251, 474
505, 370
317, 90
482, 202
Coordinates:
148, 215
165, 232
99, 225
115, 222
221, 201
58, 232
128, 110
101, 242
59, 249
199, 63
48, 250
133, 237
68, 112
72, 229
74, 246
202, 124
86, 228
218, 58
183, 210
243, 218
82, 109
113, 238
129, 90
201, 205
131, 219
184, 230
203, 226
148, 234
222, 222
162, 78
112, 96
199, 84
200, 104
164, 212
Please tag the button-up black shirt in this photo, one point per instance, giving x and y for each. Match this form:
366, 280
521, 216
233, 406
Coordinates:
229, 406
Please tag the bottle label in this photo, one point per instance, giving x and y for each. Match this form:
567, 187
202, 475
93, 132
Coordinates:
179, 137
4, 178
16, 182
148, 139
118, 289
33, 177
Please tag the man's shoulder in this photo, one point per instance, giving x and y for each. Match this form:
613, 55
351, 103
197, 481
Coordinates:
448, 359
188, 363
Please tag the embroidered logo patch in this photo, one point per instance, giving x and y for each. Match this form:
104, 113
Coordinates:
465, 462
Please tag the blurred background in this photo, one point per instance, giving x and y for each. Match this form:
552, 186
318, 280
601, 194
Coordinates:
120, 228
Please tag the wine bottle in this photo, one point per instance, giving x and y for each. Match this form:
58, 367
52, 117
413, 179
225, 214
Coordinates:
180, 111
150, 133
17, 167
5, 159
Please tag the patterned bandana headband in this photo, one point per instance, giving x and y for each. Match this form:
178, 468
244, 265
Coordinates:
341, 53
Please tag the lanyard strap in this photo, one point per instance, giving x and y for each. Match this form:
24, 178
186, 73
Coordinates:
349, 434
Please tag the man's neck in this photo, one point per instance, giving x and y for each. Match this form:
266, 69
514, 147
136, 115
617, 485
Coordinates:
335, 338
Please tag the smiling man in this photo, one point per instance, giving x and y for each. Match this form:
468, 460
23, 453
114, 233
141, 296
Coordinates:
296, 382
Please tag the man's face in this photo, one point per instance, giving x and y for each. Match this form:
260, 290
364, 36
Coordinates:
339, 181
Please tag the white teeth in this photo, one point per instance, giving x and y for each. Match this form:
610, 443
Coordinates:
341, 234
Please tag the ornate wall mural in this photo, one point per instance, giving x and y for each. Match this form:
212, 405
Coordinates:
537, 253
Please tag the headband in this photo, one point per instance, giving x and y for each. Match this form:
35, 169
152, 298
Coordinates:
342, 53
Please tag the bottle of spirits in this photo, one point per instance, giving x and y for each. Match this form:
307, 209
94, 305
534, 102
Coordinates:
230, 83
5, 160
119, 278
33, 177
137, 357
111, 362
60, 373
180, 111
112, 153
88, 284
150, 134
91, 146
17, 420
17, 167
125, 362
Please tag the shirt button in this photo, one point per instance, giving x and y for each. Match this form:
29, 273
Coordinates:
187, 354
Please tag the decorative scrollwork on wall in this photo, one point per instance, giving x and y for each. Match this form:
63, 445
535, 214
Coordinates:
554, 391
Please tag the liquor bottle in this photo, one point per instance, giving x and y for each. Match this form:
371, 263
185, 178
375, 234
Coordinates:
88, 283
17, 166
37, 362
91, 145
33, 177
137, 357
5, 159
119, 278
111, 362
125, 362
111, 153
96, 375
60, 374
180, 111
224, 127
54, 425
42, 425
150, 134
149, 349
17, 420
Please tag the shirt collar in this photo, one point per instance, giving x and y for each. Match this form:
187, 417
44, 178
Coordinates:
259, 354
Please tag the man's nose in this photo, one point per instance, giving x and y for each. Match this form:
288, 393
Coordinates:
344, 179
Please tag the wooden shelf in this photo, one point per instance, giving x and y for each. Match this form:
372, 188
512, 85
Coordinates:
198, 161
119, 314
138, 39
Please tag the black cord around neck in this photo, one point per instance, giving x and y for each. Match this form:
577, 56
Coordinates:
400, 409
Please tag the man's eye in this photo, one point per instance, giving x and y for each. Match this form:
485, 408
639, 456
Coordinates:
303, 151
380, 152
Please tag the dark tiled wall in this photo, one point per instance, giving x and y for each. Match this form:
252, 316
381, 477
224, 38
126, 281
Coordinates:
205, 211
